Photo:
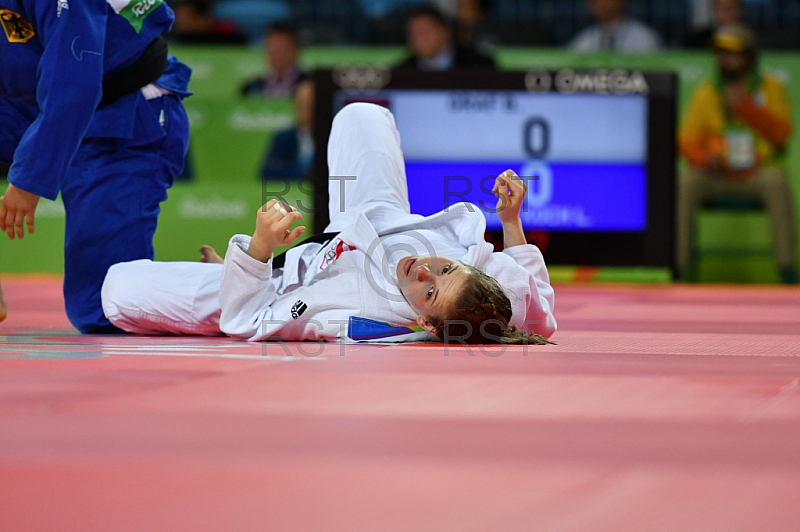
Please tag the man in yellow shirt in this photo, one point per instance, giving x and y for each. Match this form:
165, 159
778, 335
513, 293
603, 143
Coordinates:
734, 136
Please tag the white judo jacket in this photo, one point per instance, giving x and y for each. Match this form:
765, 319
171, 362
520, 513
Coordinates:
257, 303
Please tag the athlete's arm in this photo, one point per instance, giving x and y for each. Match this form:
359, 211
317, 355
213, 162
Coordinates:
68, 89
510, 191
246, 294
520, 268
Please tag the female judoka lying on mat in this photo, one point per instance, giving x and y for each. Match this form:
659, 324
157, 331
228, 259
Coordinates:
435, 273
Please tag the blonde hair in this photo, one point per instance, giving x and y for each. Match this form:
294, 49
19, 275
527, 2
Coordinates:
481, 315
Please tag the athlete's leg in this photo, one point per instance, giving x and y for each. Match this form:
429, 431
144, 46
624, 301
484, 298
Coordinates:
365, 163
147, 297
111, 197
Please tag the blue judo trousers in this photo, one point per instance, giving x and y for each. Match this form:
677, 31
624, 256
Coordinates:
111, 163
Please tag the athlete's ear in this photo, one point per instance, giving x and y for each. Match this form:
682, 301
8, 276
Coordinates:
425, 324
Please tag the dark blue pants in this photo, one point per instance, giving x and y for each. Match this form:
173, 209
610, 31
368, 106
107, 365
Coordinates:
111, 196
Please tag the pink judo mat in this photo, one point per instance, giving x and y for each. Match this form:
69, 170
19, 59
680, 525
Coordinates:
661, 408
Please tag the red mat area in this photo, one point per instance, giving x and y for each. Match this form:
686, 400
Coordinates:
661, 408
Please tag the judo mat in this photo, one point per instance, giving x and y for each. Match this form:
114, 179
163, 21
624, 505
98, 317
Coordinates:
662, 408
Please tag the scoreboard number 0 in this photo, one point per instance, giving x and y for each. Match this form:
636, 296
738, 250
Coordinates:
536, 137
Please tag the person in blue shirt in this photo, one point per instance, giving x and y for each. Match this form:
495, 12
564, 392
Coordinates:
90, 107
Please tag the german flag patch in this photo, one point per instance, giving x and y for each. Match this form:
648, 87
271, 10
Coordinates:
16, 28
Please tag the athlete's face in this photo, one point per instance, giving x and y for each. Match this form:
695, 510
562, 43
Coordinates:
431, 284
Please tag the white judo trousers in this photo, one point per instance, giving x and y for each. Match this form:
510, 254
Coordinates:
246, 299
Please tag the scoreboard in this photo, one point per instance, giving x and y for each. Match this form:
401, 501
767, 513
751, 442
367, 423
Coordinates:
583, 157
595, 148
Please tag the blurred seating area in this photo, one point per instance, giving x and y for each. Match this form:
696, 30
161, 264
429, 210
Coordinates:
512, 22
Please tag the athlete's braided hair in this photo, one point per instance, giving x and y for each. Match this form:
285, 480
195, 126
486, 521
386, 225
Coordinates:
480, 315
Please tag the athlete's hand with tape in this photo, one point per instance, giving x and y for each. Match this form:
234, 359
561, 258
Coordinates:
18, 208
510, 192
273, 223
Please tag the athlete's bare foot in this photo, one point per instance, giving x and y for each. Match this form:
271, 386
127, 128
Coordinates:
210, 255
3, 309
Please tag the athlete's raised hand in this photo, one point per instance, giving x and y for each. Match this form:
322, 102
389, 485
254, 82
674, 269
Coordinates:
272, 229
510, 191
18, 207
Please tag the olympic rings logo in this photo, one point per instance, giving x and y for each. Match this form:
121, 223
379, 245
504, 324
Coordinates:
362, 79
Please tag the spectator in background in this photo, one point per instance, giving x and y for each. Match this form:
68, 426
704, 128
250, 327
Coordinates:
614, 31
292, 150
471, 24
430, 41
734, 135
725, 13
281, 51
195, 24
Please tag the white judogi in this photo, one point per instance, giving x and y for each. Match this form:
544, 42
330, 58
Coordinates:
246, 299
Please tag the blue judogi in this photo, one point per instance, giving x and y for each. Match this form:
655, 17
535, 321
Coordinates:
112, 164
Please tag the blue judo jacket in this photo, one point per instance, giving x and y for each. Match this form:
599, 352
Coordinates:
54, 55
